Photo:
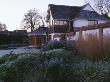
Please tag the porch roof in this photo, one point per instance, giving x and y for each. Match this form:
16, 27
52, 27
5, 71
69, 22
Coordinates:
39, 31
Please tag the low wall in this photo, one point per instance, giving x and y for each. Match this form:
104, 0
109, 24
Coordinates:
100, 31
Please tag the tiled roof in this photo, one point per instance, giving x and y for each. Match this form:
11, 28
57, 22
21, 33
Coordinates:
90, 15
63, 12
39, 31
72, 12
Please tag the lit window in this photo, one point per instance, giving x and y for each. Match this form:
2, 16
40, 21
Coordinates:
92, 22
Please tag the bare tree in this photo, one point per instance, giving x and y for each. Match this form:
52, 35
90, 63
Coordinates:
31, 19
103, 6
3, 27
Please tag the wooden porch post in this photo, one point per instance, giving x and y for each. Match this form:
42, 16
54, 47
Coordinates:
35, 41
80, 35
101, 40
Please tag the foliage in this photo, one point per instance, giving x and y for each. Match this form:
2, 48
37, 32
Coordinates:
53, 45
3, 27
7, 74
68, 45
102, 6
24, 66
57, 65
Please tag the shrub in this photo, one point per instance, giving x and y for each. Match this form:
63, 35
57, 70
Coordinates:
7, 74
57, 65
53, 45
68, 45
90, 71
60, 65
8, 57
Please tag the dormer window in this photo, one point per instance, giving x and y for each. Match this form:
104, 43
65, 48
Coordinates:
92, 22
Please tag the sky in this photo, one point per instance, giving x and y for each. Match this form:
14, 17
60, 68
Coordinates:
12, 11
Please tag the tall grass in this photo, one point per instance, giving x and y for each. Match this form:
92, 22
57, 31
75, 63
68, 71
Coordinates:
106, 44
93, 47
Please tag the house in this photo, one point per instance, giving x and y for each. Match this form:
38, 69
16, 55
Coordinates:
63, 19
38, 37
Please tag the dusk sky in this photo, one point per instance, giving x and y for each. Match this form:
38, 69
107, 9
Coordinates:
12, 11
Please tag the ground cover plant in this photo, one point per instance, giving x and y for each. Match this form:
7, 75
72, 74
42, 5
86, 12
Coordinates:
53, 65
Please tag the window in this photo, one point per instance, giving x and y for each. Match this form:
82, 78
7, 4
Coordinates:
92, 22
65, 22
56, 22
60, 22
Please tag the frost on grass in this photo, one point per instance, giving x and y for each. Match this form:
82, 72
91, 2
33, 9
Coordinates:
57, 65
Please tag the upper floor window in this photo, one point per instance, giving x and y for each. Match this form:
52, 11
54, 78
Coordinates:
60, 22
92, 22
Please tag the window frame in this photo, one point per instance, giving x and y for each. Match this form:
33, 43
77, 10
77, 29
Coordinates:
92, 22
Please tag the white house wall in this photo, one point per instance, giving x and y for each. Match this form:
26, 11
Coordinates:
80, 23
88, 7
106, 32
51, 18
101, 21
84, 22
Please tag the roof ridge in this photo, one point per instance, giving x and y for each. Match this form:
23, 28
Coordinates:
64, 5
71, 12
85, 4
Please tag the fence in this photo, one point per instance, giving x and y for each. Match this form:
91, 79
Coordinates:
99, 30
101, 40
